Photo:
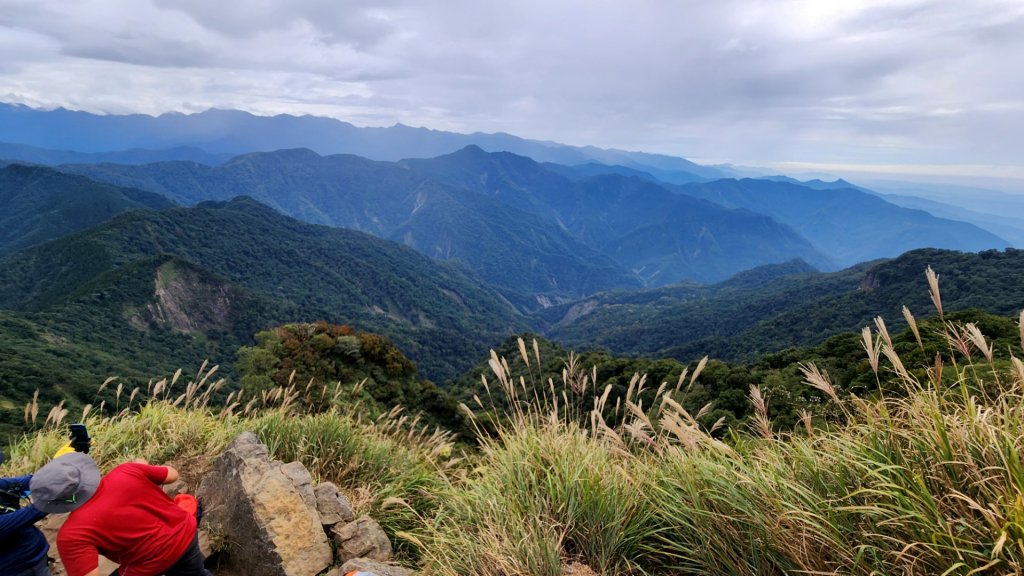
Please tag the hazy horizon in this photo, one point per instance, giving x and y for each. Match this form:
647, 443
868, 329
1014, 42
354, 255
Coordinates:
907, 89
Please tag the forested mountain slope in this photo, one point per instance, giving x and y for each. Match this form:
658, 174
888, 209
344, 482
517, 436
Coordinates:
438, 314
531, 260
733, 321
663, 237
39, 204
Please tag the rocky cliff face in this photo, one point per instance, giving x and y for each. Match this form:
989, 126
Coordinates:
187, 301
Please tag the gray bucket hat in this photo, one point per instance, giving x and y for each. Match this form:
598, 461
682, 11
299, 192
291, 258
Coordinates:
65, 483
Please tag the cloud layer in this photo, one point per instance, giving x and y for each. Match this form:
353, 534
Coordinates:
882, 82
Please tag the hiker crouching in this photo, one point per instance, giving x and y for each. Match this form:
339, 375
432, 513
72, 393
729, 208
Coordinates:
125, 516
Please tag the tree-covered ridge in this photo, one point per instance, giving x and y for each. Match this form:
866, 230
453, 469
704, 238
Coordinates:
741, 321
662, 236
142, 320
440, 315
545, 235
40, 204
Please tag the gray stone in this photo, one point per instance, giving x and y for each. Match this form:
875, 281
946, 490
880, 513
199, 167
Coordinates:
333, 506
175, 488
371, 566
263, 519
362, 538
302, 480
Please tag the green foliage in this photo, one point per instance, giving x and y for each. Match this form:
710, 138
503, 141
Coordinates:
741, 321
382, 462
720, 392
535, 496
41, 204
322, 354
919, 475
922, 479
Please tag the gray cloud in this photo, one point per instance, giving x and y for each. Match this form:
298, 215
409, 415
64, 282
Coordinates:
887, 82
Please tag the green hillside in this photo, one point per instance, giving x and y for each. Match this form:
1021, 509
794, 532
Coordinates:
919, 474
438, 314
116, 326
742, 320
41, 204
661, 236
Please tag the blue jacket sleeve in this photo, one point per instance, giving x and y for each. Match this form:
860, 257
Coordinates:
16, 484
14, 521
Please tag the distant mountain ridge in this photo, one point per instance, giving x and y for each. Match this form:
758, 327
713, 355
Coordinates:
542, 237
1008, 225
663, 237
845, 222
543, 233
35, 155
529, 259
236, 132
548, 234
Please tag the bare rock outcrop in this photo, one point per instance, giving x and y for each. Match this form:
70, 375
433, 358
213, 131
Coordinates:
264, 512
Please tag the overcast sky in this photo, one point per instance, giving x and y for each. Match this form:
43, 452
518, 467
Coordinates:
921, 85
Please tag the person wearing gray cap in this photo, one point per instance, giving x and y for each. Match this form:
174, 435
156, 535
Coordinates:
124, 515
23, 548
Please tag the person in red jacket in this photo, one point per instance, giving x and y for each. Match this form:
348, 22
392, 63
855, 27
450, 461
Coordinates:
125, 516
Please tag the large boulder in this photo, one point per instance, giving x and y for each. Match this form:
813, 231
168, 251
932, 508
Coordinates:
264, 512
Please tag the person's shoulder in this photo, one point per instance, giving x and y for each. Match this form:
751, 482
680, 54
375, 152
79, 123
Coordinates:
134, 468
74, 529
126, 472
139, 471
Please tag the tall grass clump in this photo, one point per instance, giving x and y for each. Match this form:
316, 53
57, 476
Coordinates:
542, 488
925, 480
167, 421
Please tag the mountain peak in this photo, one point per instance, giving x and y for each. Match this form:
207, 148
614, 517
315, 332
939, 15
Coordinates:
285, 155
470, 150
